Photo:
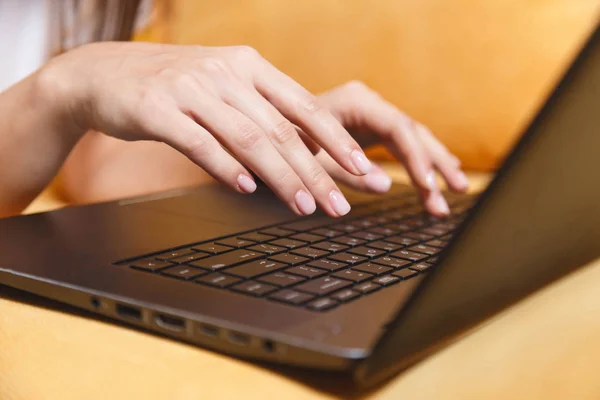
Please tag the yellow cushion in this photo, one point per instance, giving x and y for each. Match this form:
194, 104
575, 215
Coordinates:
474, 71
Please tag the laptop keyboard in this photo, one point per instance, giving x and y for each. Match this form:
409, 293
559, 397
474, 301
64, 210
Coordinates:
318, 263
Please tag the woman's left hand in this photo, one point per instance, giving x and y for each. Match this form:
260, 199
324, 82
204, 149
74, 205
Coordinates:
372, 120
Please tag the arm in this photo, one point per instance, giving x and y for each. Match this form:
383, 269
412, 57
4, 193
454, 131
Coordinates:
36, 136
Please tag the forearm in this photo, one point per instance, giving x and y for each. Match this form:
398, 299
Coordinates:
35, 138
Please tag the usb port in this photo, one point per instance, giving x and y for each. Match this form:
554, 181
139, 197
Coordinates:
239, 338
209, 330
170, 322
129, 312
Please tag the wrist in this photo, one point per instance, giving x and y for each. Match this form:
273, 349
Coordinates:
53, 91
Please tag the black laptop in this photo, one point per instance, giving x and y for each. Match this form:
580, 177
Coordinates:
369, 293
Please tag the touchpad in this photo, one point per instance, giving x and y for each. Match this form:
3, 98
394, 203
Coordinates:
220, 204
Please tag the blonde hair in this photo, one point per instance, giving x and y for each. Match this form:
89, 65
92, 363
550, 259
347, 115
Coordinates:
77, 22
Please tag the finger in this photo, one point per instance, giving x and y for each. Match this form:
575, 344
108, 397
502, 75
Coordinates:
302, 108
434, 202
250, 144
376, 181
445, 162
286, 140
185, 135
311, 144
399, 131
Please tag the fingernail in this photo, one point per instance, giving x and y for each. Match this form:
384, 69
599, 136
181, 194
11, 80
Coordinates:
305, 202
378, 181
339, 203
430, 181
246, 184
462, 179
441, 205
362, 164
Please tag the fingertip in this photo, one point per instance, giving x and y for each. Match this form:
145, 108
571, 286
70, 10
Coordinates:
361, 162
246, 184
378, 181
436, 204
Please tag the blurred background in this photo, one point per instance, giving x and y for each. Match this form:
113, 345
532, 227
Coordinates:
474, 71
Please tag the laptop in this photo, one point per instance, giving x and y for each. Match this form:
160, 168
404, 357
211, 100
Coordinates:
368, 294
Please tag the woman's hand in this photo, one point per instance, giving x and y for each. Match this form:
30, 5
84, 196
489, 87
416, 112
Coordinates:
370, 119
224, 108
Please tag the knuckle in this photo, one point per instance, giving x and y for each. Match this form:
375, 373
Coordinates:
284, 178
317, 176
214, 66
283, 133
311, 104
199, 148
248, 136
246, 52
358, 86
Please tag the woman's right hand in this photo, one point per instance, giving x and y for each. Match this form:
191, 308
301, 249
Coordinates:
225, 108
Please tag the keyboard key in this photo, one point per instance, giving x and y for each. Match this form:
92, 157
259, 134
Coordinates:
322, 286
307, 237
218, 280
366, 287
348, 241
386, 280
212, 248
267, 248
235, 242
308, 224
384, 231
347, 228
435, 231
354, 276
150, 265
437, 243
254, 288
368, 236
405, 273
385, 246
291, 297
421, 248
256, 268
289, 259
329, 233
276, 231
421, 267
190, 257
173, 254
347, 258
345, 295
309, 252
256, 237
329, 265
380, 219
183, 272
432, 260
391, 262
409, 255
421, 237
366, 252
281, 279
226, 259
364, 223
374, 269
322, 304
305, 270
288, 243
404, 241
330, 247
399, 227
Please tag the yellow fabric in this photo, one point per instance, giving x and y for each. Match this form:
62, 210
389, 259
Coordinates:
474, 71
